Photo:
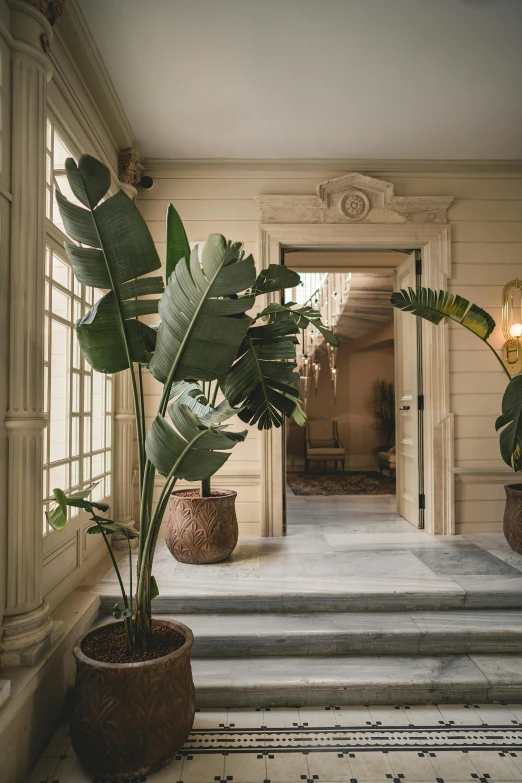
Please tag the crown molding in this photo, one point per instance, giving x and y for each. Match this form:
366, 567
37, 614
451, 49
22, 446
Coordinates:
76, 38
364, 165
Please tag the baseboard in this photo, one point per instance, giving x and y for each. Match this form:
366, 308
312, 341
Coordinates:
37, 701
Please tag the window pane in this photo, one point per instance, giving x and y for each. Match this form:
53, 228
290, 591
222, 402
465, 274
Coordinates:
75, 439
97, 465
58, 477
75, 392
86, 434
98, 410
87, 393
61, 303
61, 272
75, 473
108, 431
87, 470
59, 412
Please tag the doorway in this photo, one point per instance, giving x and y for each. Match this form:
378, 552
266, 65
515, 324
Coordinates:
347, 452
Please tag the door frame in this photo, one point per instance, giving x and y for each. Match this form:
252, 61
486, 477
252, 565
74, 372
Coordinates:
433, 239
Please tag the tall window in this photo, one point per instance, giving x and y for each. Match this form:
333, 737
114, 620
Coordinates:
79, 401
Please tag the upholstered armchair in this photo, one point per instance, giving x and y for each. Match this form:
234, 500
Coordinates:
387, 461
322, 443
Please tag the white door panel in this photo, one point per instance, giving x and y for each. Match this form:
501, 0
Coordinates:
406, 400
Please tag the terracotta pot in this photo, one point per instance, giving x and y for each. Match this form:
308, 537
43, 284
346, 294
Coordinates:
513, 516
202, 530
130, 719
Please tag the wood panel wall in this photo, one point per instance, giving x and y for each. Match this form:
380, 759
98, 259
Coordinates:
486, 221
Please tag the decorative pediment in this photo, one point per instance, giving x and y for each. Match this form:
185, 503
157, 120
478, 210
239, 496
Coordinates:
354, 198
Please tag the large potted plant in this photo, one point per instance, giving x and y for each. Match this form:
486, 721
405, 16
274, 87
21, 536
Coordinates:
437, 306
133, 699
383, 404
259, 384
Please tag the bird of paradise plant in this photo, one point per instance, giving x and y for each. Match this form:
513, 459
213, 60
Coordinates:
206, 344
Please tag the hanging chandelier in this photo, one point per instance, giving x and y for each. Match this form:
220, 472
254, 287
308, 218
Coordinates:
328, 294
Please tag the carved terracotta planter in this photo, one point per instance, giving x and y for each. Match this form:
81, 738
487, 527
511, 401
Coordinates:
202, 530
513, 516
130, 719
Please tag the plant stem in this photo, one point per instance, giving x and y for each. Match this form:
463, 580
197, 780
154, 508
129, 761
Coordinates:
214, 396
499, 359
206, 490
142, 419
127, 621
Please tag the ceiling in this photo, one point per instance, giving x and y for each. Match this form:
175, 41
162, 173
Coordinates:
428, 79
367, 307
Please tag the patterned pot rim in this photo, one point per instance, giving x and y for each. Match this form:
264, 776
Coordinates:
225, 493
513, 487
81, 657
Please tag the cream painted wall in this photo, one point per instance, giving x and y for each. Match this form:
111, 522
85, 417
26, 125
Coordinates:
486, 224
357, 373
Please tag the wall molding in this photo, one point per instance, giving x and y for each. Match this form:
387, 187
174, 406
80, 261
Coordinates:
486, 475
75, 36
382, 165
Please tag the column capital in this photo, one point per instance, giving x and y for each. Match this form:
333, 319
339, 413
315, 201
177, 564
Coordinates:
130, 169
51, 9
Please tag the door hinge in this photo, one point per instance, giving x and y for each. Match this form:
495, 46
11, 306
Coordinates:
420, 404
422, 501
418, 266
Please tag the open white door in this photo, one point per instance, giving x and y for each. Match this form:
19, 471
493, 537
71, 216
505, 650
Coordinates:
406, 400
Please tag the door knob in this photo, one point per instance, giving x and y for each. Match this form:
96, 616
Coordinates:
404, 408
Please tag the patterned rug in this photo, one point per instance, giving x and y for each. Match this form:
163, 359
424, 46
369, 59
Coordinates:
363, 483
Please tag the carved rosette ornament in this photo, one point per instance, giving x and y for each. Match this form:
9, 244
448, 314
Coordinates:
51, 9
354, 205
130, 167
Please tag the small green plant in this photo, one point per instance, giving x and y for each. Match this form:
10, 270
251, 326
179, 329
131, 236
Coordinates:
383, 404
437, 306
57, 518
206, 344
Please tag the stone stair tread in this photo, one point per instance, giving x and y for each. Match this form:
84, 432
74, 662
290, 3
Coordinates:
315, 681
233, 635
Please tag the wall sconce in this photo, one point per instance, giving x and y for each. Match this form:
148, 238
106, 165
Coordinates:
512, 323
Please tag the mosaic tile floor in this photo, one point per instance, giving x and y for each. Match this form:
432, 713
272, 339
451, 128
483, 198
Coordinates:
447, 743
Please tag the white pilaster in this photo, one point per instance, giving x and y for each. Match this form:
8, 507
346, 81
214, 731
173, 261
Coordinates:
27, 626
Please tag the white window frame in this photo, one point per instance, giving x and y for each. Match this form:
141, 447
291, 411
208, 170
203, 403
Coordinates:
68, 549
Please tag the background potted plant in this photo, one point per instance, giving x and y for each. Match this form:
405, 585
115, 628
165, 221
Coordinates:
437, 306
383, 404
259, 384
133, 699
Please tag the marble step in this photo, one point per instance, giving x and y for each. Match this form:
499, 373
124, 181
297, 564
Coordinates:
204, 596
370, 633
313, 681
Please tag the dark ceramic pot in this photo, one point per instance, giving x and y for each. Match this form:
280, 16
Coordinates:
130, 719
202, 530
513, 516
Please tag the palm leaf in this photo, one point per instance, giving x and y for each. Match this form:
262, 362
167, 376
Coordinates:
276, 277
434, 306
119, 251
203, 321
190, 450
262, 381
177, 243
303, 316
511, 421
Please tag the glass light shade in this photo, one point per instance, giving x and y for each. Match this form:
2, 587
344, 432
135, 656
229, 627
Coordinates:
515, 330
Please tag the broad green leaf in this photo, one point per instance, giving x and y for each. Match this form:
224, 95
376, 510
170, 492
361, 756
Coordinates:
511, 421
262, 381
177, 243
303, 316
120, 250
199, 336
57, 517
189, 450
276, 277
154, 590
434, 306
111, 527
102, 342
